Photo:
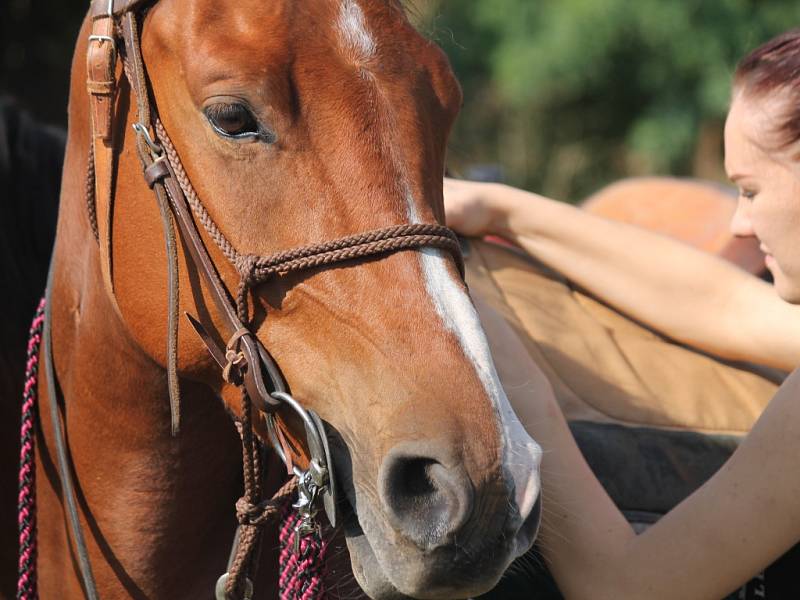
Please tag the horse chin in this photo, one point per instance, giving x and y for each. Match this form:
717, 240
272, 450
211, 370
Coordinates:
368, 572
375, 581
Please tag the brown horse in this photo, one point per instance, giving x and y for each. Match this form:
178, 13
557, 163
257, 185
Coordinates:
297, 122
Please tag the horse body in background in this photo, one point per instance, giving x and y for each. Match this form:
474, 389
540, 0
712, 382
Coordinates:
696, 212
349, 110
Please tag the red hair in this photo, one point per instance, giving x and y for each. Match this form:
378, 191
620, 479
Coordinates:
775, 67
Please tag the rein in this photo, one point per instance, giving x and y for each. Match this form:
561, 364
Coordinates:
244, 361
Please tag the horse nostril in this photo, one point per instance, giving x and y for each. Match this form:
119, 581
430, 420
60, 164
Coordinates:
424, 500
414, 478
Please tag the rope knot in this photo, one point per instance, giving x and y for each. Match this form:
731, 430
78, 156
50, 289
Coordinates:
256, 515
232, 372
246, 266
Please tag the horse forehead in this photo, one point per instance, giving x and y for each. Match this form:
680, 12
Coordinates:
257, 36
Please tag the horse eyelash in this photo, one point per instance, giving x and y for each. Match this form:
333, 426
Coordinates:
224, 109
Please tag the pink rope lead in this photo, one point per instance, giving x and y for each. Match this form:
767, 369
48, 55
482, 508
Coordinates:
300, 574
26, 503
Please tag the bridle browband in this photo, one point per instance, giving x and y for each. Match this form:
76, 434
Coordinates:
244, 360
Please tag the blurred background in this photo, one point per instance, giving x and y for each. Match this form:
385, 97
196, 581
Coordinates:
561, 96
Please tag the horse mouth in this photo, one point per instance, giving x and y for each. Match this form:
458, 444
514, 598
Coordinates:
454, 573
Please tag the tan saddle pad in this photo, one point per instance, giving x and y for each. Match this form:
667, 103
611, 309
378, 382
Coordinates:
604, 366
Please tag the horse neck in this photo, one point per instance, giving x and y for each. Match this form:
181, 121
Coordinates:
157, 510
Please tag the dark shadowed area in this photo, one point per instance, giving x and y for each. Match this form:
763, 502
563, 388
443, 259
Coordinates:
31, 156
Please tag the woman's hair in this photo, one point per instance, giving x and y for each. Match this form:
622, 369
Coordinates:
775, 67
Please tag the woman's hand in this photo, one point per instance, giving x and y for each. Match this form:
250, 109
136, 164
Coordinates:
469, 207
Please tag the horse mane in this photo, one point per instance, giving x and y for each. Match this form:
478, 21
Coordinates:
31, 158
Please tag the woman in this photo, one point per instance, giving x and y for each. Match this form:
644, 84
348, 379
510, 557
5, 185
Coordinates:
748, 514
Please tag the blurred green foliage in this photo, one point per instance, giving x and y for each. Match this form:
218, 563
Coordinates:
568, 95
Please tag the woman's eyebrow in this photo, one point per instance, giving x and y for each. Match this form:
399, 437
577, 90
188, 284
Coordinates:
734, 177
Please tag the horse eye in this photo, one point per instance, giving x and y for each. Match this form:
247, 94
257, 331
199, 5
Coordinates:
233, 120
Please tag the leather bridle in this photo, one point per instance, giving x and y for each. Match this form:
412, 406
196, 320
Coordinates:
244, 361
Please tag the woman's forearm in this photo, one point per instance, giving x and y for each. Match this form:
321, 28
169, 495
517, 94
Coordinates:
689, 295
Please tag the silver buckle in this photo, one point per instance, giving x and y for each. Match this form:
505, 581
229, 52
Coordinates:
102, 38
106, 38
144, 133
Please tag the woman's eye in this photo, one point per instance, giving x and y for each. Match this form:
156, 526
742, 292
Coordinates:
747, 194
233, 120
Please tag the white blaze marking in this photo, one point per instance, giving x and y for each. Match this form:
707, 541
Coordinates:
521, 454
353, 33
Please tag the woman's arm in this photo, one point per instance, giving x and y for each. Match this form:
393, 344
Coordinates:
691, 296
741, 520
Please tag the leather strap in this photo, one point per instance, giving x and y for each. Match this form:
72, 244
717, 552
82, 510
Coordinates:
257, 360
101, 62
134, 69
64, 471
136, 73
99, 8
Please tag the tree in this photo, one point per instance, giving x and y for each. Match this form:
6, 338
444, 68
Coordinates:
570, 94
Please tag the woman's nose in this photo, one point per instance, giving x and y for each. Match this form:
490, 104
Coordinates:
741, 225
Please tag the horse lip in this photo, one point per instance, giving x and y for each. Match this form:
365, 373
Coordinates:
350, 524
529, 530
357, 540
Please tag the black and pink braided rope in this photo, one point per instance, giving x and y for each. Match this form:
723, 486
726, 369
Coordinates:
300, 574
26, 503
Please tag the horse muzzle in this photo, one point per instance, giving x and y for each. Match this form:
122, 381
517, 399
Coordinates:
431, 533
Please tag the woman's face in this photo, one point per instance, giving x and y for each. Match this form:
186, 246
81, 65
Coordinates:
768, 177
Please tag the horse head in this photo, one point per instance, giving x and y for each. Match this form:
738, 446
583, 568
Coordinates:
302, 122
